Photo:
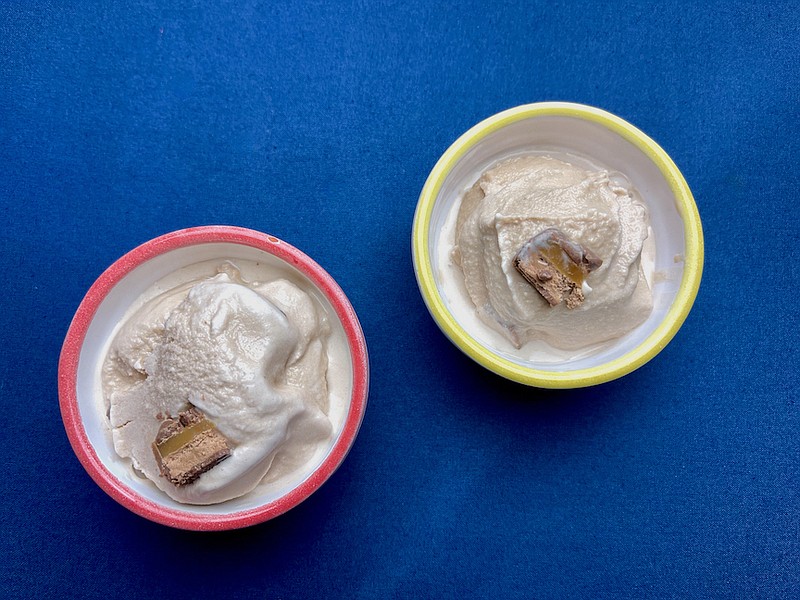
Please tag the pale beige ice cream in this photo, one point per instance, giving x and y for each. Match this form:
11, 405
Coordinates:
253, 357
518, 199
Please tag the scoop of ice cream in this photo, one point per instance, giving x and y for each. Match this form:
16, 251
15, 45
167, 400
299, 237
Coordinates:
522, 197
251, 358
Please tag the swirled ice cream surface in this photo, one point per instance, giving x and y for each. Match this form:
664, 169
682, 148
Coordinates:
519, 198
253, 357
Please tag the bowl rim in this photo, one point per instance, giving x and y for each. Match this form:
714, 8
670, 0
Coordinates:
73, 343
653, 344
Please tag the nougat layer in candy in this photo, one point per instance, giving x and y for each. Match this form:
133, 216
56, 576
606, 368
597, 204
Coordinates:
188, 445
556, 266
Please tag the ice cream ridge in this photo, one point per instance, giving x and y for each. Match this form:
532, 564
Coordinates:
219, 383
551, 251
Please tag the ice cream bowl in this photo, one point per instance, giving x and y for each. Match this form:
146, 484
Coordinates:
84, 410
594, 135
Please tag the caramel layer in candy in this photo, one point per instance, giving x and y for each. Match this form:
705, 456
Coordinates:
188, 445
556, 266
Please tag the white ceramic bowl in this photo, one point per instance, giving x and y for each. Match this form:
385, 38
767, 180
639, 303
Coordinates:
604, 139
93, 326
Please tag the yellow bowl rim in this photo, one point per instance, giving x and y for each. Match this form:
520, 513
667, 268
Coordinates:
653, 344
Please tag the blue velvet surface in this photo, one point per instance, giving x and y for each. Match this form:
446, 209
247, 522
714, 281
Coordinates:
318, 122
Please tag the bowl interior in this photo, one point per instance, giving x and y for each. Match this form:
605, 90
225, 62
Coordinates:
583, 138
106, 321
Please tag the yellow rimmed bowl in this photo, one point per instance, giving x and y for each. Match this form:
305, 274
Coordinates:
607, 140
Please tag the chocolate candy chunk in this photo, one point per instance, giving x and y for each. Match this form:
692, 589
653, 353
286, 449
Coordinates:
188, 445
556, 266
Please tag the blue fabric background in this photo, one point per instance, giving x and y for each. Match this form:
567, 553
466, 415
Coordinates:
318, 122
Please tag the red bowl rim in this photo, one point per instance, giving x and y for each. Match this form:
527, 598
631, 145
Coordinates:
70, 356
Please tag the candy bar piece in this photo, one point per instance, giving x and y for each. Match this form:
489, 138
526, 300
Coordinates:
188, 445
556, 266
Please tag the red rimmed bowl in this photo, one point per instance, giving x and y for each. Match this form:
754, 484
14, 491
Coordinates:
95, 323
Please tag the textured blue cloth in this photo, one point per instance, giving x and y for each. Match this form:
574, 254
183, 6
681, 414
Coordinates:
318, 122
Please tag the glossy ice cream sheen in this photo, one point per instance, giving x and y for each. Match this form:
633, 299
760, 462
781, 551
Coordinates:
255, 356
